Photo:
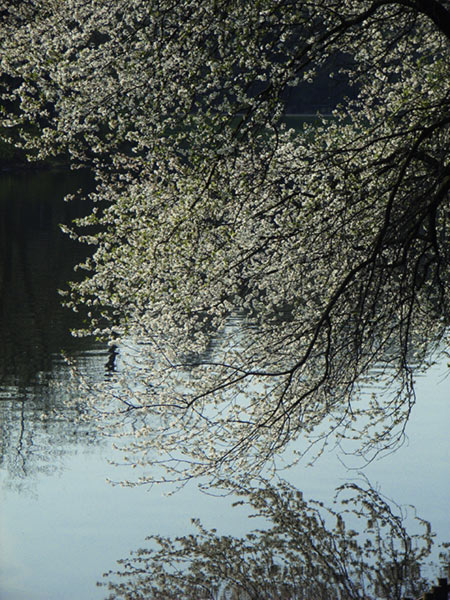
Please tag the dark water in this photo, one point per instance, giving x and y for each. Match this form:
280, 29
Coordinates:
36, 260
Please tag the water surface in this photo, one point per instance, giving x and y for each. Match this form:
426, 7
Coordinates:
61, 524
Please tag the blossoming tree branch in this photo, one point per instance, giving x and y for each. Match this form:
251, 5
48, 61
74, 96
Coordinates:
330, 242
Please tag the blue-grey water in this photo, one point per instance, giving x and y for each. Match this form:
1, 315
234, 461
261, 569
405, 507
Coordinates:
61, 524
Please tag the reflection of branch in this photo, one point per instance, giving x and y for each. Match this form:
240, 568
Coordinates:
110, 365
19, 446
305, 550
32, 302
39, 433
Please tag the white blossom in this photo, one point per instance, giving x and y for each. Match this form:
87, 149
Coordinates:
331, 243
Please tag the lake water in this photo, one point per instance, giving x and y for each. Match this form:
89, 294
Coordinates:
61, 524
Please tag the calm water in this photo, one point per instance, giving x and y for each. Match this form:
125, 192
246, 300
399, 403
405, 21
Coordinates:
61, 524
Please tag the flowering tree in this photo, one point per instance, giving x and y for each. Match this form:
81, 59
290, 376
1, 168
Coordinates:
306, 552
331, 243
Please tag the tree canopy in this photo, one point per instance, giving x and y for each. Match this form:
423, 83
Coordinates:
330, 242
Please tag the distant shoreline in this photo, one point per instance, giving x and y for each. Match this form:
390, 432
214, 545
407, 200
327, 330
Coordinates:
13, 166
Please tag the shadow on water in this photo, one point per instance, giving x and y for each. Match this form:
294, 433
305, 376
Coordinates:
37, 259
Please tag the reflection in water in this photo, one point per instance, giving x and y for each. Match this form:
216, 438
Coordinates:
359, 548
36, 259
36, 432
